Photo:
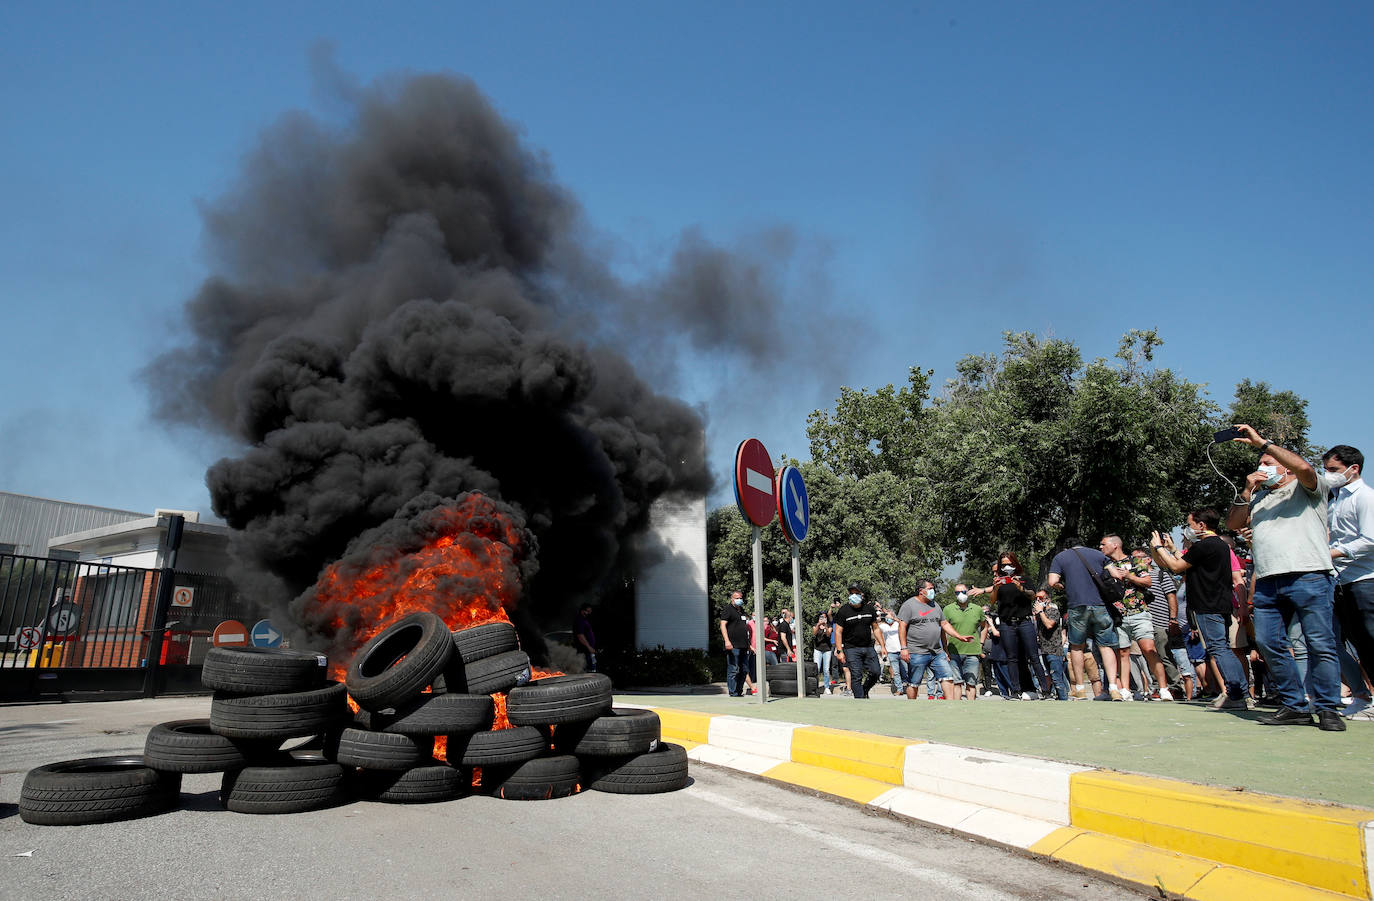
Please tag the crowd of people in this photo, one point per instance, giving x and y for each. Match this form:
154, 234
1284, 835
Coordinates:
1270, 602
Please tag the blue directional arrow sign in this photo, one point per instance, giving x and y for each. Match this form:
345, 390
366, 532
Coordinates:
265, 635
794, 510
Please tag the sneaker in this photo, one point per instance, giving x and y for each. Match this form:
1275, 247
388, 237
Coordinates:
930, 697
1330, 721
1104, 697
1164, 694
1078, 693
1125, 696
1354, 707
1115, 693
1226, 702
1288, 716
827, 690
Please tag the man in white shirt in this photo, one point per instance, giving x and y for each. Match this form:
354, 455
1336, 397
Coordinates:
1352, 551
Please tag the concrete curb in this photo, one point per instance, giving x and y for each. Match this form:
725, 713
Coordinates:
1193, 841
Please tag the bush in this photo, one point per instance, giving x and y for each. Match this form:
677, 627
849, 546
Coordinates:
656, 666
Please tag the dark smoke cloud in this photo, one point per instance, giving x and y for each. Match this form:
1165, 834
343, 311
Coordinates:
407, 307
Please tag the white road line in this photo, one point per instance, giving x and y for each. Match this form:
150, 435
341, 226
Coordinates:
758, 481
943, 879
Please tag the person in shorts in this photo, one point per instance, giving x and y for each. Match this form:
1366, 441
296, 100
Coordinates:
922, 625
965, 657
1072, 570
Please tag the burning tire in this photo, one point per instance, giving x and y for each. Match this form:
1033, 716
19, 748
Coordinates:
787, 688
500, 672
435, 715
560, 699
379, 750
503, 746
664, 769
397, 664
486, 640
622, 731
288, 715
189, 746
535, 780
417, 785
96, 790
262, 670
288, 785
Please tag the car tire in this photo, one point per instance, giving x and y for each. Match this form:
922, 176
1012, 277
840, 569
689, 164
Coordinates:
789, 671
438, 714
287, 785
621, 732
560, 699
190, 746
497, 748
399, 661
288, 715
490, 675
663, 769
96, 790
787, 688
423, 784
535, 780
378, 750
486, 640
260, 671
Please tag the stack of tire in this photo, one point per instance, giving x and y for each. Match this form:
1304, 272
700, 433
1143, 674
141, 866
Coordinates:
261, 698
564, 736
414, 681
782, 679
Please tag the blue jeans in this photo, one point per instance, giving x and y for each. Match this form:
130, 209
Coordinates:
965, 667
901, 671
1355, 608
736, 665
822, 659
1060, 676
1309, 597
1019, 641
999, 672
936, 663
1213, 628
863, 669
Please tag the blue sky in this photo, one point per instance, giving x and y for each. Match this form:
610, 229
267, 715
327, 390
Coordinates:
951, 171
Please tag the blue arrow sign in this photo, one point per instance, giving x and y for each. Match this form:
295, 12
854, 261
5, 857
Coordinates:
794, 510
264, 635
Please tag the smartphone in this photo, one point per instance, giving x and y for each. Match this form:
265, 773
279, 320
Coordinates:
1230, 434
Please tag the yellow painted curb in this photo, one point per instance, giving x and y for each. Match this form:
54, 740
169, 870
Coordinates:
685, 726
857, 753
1231, 884
1299, 841
843, 785
1172, 872
1055, 840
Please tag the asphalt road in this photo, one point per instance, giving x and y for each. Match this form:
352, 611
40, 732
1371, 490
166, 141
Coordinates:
726, 835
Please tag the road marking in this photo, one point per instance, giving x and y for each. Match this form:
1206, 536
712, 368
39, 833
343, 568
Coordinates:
936, 877
758, 481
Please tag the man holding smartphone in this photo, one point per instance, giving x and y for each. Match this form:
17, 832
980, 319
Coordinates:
1285, 505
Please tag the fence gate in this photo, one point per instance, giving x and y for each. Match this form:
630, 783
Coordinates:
93, 631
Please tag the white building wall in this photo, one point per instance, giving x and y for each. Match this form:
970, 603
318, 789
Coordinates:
670, 594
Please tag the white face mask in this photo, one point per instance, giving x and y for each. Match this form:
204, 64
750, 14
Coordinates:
1273, 473
962, 597
1191, 534
930, 594
855, 599
738, 602
1338, 479
1008, 569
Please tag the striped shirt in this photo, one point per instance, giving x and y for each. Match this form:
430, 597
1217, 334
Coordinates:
1162, 584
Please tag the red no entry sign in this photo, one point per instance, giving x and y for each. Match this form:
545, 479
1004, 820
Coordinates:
230, 634
754, 483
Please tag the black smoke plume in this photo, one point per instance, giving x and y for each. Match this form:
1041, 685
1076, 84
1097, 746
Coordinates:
383, 333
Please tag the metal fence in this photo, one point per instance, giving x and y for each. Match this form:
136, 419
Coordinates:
69, 616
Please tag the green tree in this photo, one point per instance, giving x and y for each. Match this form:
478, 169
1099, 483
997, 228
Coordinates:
1280, 416
1033, 447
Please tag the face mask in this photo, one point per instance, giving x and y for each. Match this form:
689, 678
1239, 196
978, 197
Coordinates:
1338, 479
856, 599
930, 594
1008, 569
1273, 473
738, 602
888, 619
962, 597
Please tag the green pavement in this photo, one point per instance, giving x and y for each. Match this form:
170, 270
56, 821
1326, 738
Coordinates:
1178, 740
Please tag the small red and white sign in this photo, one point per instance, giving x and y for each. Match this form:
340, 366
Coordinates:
28, 637
230, 634
754, 483
183, 596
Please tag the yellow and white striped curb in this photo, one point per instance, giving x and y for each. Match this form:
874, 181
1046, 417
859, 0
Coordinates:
1200, 842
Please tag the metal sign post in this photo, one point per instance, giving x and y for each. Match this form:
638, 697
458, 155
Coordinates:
802, 685
794, 514
760, 662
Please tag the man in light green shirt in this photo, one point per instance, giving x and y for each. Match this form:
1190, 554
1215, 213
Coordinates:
968, 619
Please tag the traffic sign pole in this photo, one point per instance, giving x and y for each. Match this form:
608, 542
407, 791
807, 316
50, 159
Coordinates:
797, 618
761, 663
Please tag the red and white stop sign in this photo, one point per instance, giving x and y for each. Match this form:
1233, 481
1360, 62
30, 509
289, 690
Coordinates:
754, 483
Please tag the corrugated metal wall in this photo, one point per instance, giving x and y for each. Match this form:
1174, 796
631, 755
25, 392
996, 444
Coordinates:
28, 522
670, 595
